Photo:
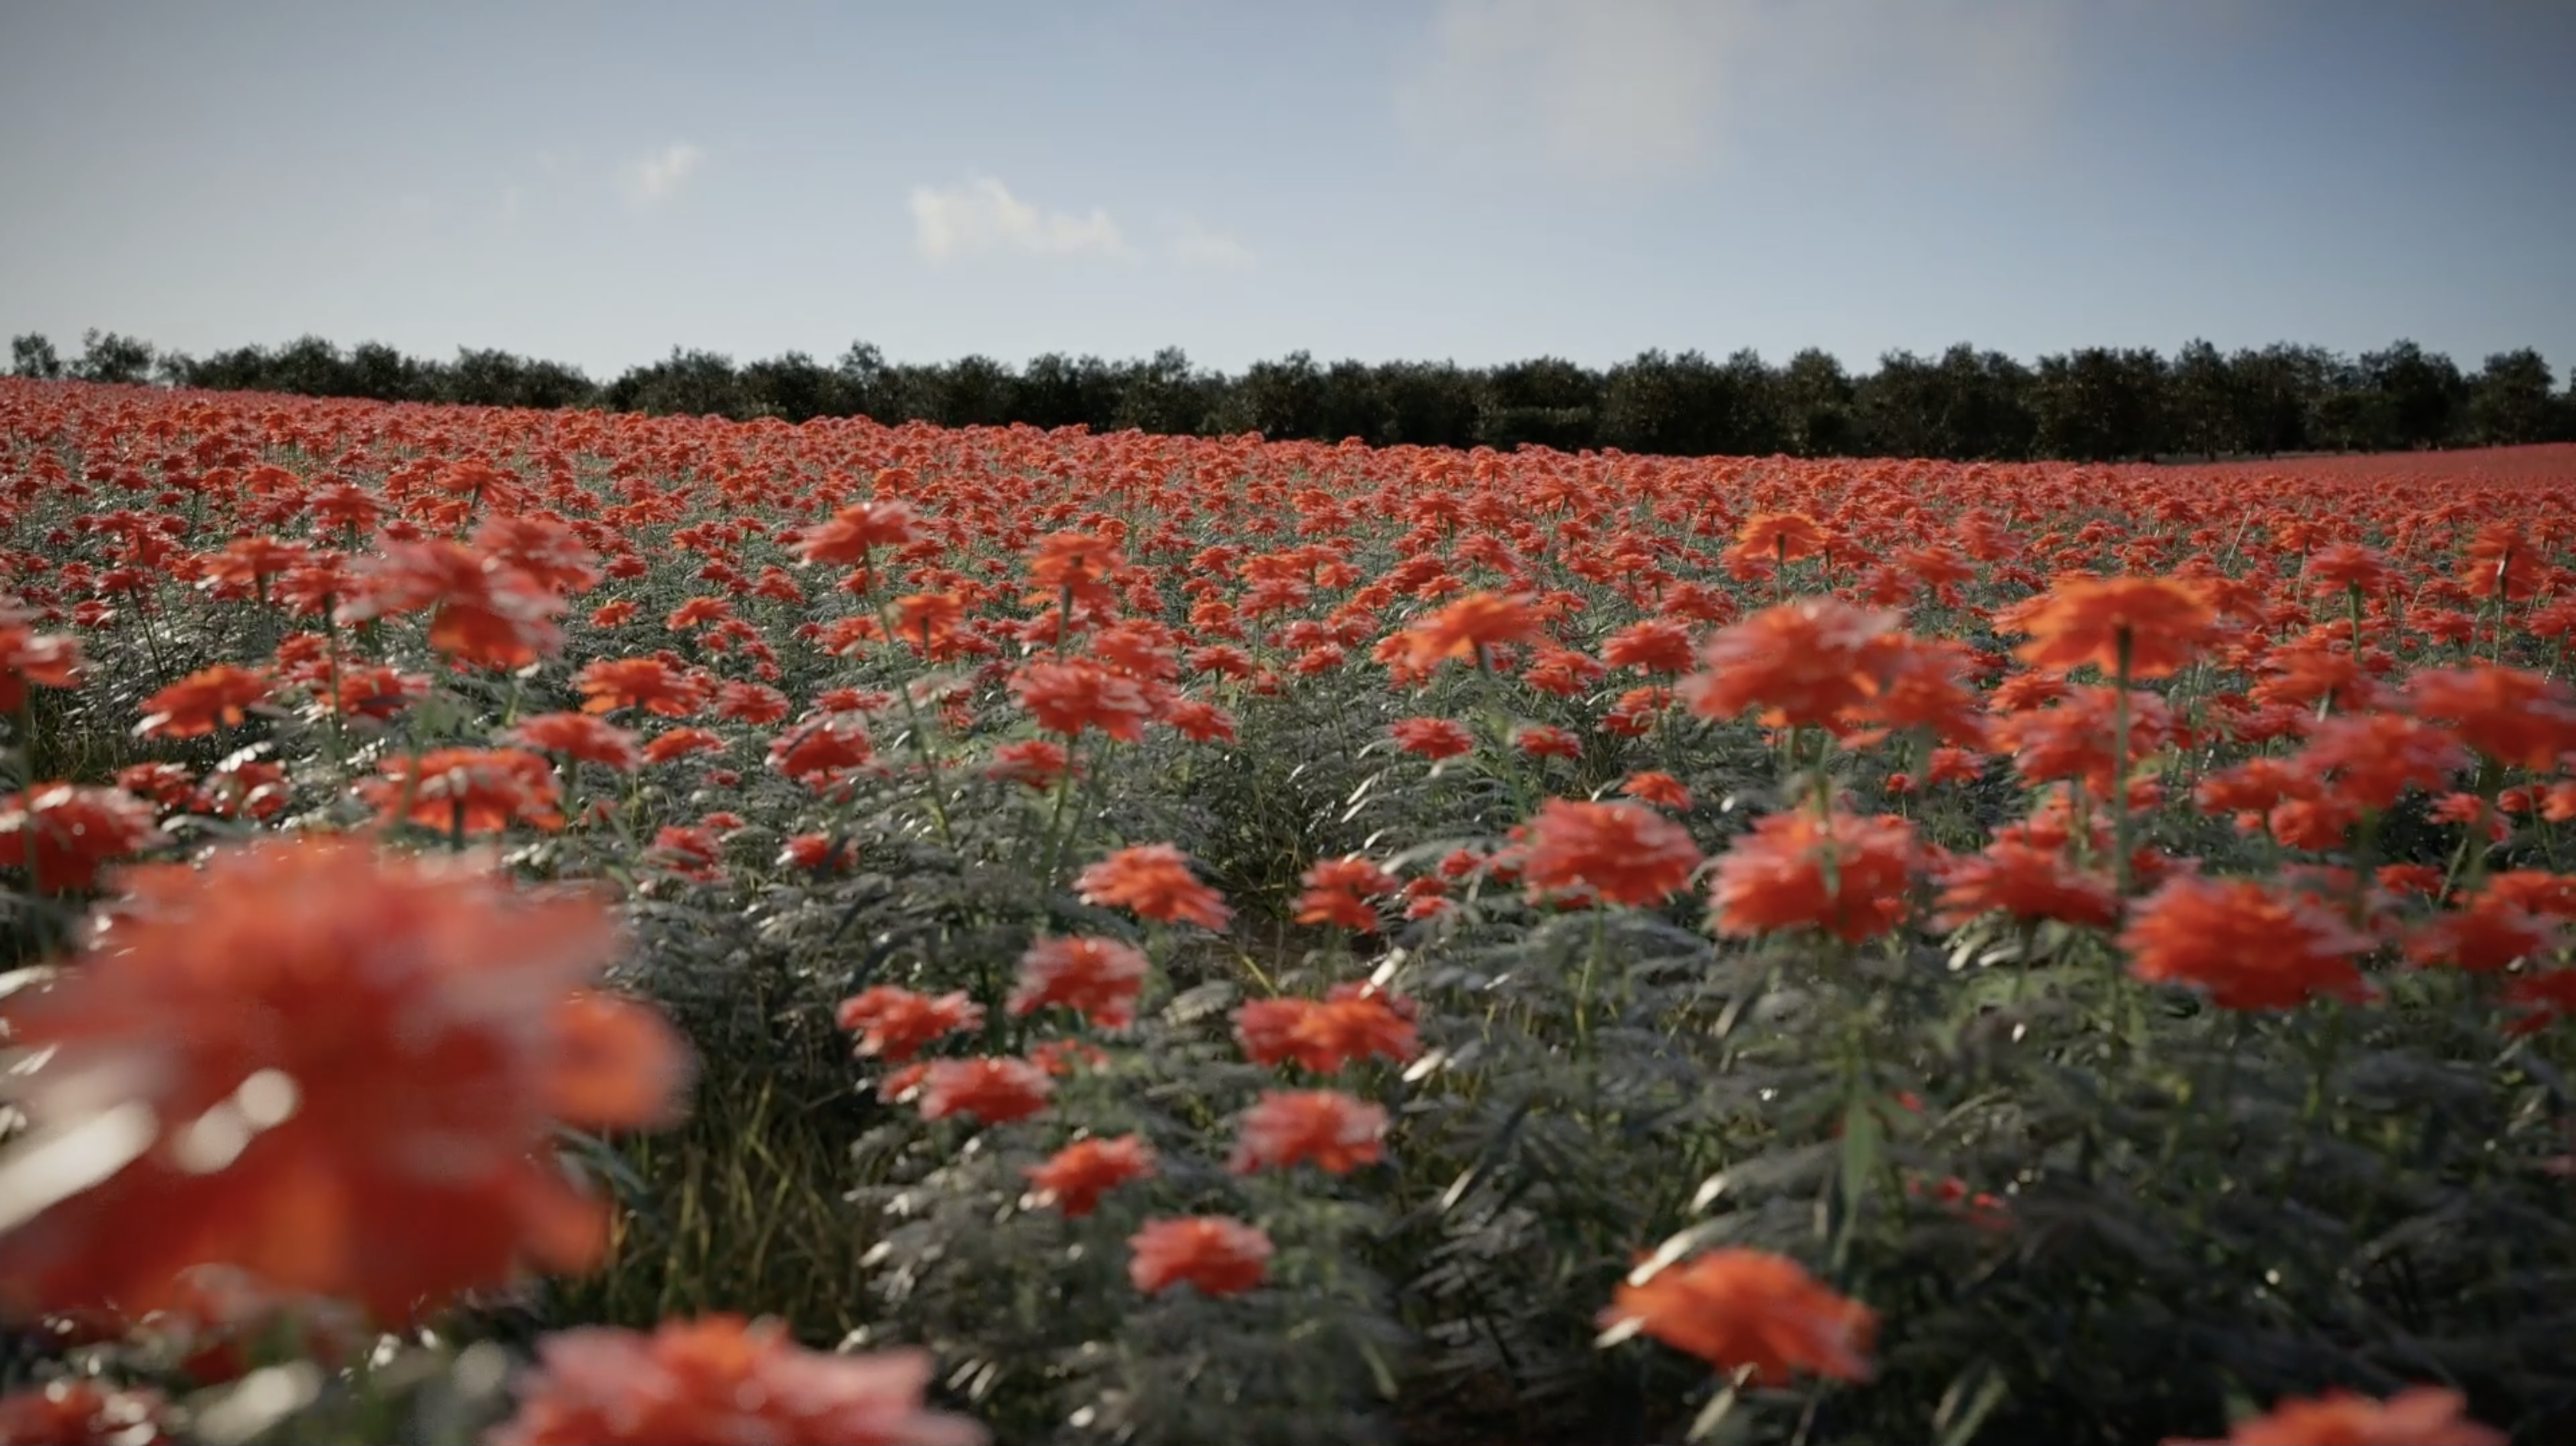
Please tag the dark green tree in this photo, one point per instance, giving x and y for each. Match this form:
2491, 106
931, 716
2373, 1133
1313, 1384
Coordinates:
33, 355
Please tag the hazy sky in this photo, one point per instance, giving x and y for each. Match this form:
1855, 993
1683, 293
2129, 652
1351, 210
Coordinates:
1479, 180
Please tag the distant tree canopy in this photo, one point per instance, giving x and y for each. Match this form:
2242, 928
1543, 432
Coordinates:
2093, 404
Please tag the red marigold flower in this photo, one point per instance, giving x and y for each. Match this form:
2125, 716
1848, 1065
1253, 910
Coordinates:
848, 536
2027, 882
995, 1091
1803, 663
61, 833
465, 790
2416, 1416
2347, 566
1738, 1307
1067, 697
1540, 741
1029, 762
1199, 720
1338, 892
2249, 945
2486, 935
2368, 759
719, 1379
1290, 1127
820, 750
2516, 717
1432, 738
1351, 1022
203, 701
1776, 877
1648, 785
81, 1413
582, 737
1658, 645
483, 611
650, 683
1074, 1178
1097, 978
2158, 623
1470, 626
51, 660
1154, 881
894, 1023
1219, 1255
680, 743
377, 692
338, 1071
1625, 853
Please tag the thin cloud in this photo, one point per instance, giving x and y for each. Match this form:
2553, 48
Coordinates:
1190, 242
650, 179
1642, 90
982, 216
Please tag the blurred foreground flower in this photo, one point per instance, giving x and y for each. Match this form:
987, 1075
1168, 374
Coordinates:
336, 1070
720, 1379
75, 1413
1737, 1307
2417, 1416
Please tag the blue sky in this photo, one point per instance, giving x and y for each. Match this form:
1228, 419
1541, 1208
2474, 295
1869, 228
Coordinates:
1478, 180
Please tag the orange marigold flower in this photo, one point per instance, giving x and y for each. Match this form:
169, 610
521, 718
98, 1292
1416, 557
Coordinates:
1067, 697
994, 1091
582, 737
1777, 876
1097, 978
1432, 738
2416, 1416
1351, 1022
1625, 853
1736, 1308
719, 1379
1074, 1178
465, 790
650, 683
338, 1071
2516, 717
203, 701
82, 1412
894, 1023
1219, 1255
1338, 892
62, 833
2027, 882
1803, 663
1779, 536
1290, 1127
2250, 946
1470, 626
1075, 564
1649, 785
2153, 624
1155, 882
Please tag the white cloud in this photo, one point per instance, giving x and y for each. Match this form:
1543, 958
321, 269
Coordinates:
1636, 90
982, 215
1191, 242
659, 176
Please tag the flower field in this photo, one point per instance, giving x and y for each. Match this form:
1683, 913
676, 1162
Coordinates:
562, 927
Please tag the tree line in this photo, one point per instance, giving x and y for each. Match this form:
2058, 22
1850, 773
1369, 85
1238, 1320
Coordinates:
2092, 404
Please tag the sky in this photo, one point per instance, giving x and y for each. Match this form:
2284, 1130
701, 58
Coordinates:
1472, 180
